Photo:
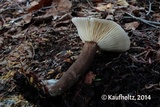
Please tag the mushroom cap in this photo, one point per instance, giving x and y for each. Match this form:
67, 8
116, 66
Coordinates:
108, 35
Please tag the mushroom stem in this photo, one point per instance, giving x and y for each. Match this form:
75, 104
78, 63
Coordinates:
78, 68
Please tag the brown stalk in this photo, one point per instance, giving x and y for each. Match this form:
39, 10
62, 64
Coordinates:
78, 68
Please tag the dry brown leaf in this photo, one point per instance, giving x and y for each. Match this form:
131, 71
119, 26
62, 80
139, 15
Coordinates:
65, 17
122, 3
133, 9
105, 7
42, 3
89, 77
51, 71
8, 75
156, 17
33, 3
62, 7
132, 2
67, 60
20, 55
59, 6
131, 26
110, 17
27, 18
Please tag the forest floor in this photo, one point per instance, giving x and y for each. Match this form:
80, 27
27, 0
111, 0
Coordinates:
45, 43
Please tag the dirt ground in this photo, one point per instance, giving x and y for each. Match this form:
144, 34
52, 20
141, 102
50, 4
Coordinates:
41, 44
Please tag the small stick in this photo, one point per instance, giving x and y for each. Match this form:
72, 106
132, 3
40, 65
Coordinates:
151, 23
140, 54
156, 23
20, 7
150, 7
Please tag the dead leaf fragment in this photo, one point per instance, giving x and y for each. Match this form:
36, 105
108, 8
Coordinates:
134, 9
158, 55
156, 17
27, 18
122, 3
20, 56
105, 7
158, 52
159, 41
89, 77
42, 3
110, 17
131, 26
59, 6
33, 3
102, 7
62, 6
2, 21
132, 2
1, 41
21, 1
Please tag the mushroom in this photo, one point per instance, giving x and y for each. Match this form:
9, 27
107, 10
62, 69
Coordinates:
96, 34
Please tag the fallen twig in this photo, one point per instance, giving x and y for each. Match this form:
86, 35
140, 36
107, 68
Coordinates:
151, 23
15, 6
150, 7
16, 19
43, 18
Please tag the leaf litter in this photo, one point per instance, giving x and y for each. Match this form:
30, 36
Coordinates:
42, 44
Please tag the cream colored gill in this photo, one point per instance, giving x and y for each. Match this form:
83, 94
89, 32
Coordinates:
108, 35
